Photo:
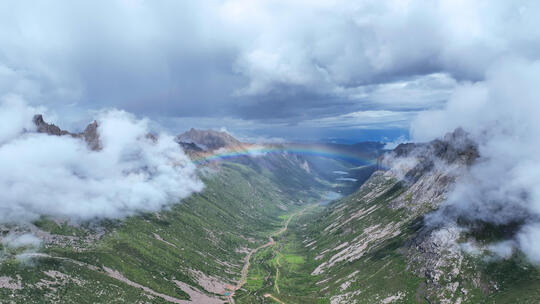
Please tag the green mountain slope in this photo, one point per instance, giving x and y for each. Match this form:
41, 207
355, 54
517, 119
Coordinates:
263, 231
150, 258
374, 245
193, 252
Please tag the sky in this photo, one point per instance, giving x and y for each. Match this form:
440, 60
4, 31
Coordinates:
263, 70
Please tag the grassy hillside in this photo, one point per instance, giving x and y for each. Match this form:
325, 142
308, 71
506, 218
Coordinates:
373, 247
371, 270
201, 242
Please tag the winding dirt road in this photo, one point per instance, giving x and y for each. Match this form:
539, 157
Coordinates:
247, 259
252, 252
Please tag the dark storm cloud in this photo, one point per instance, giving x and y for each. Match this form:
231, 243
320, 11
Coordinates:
262, 61
287, 102
127, 54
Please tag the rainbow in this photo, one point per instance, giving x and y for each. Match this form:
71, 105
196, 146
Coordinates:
259, 150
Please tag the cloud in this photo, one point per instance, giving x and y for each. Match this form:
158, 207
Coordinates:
14, 240
338, 45
380, 119
59, 176
390, 145
503, 250
501, 114
528, 240
22, 246
272, 61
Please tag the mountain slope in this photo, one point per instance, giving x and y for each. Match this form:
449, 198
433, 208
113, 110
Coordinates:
387, 242
200, 242
192, 252
345, 167
377, 245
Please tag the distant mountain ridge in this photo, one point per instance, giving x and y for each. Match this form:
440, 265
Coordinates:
318, 159
208, 139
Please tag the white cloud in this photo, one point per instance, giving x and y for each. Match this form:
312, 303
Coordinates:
503, 250
501, 113
529, 242
196, 58
59, 176
17, 116
15, 240
333, 45
393, 144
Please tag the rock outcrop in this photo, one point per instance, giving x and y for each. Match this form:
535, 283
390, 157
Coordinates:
454, 149
51, 129
90, 134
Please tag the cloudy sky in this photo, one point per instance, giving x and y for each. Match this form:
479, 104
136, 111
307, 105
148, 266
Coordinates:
293, 69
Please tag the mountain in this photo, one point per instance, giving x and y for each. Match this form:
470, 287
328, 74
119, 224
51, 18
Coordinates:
344, 166
381, 245
274, 223
208, 139
193, 252
89, 134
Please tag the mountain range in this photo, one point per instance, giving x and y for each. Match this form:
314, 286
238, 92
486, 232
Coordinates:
277, 223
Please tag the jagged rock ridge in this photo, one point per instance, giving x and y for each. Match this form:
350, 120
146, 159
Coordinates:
90, 134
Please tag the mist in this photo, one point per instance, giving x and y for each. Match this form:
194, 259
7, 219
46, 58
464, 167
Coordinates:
503, 186
61, 177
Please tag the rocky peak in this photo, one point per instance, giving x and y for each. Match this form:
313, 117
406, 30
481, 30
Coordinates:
455, 148
43, 127
90, 134
208, 139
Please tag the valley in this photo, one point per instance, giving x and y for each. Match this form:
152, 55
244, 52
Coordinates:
197, 250
201, 242
277, 228
376, 246
271, 242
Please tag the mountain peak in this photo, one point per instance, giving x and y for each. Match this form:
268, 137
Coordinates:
43, 127
208, 139
90, 134
454, 146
